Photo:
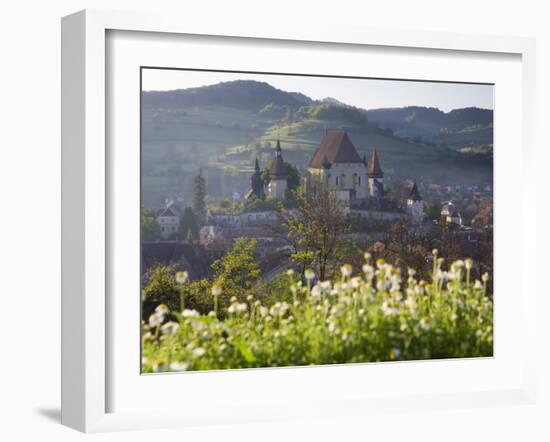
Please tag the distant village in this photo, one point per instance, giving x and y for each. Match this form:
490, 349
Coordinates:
465, 212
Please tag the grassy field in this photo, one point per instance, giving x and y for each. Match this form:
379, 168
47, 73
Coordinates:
375, 314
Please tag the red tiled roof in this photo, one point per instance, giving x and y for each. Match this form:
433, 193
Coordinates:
277, 166
375, 171
336, 147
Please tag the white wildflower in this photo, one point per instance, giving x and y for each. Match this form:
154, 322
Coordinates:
169, 328
162, 309
368, 270
346, 270
156, 319
190, 313
179, 366
309, 274
182, 277
316, 291
198, 352
216, 290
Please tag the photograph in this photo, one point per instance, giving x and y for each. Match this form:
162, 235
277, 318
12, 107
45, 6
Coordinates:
303, 219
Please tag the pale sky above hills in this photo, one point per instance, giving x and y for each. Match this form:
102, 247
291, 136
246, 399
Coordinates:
365, 93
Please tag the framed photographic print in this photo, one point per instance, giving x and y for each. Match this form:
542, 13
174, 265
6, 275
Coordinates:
249, 214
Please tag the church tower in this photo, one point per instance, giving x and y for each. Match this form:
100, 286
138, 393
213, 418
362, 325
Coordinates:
376, 176
415, 204
277, 185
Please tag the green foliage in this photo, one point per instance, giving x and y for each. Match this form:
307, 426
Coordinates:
150, 229
258, 205
370, 317
335, 112
199, 196
237, 271
160, 289
315, 228
189, 225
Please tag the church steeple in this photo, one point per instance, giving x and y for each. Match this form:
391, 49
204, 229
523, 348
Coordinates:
375, 171
277, 168
257, 165
414, 195
277, 174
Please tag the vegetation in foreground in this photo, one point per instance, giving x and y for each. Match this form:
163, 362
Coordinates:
374, 317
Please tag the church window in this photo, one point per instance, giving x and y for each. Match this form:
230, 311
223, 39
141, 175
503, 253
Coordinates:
336, 180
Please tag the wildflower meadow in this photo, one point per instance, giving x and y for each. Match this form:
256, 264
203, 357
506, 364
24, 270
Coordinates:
372, 316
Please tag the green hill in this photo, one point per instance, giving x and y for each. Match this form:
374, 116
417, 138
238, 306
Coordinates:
222, 128
457, 128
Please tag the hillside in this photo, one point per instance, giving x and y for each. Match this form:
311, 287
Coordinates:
457, 128
223, 127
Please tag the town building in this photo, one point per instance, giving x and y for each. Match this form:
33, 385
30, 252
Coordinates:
450, 215
415, 204
169, 220
337, 165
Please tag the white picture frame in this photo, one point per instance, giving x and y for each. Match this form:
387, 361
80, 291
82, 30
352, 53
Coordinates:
86, 202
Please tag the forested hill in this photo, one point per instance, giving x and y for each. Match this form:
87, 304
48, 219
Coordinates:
241, 94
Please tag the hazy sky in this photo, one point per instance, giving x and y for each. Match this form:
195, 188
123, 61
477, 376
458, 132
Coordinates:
365, 93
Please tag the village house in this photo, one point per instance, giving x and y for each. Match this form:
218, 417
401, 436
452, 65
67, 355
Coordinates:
169, 220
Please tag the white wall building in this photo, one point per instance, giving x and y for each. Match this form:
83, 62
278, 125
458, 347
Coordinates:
337, 165
169, 220
415, 204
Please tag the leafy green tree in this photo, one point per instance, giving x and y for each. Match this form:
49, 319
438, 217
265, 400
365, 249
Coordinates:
316, 227
189, 225
199, 197
237, 271
150, 228
160, 289
433, 211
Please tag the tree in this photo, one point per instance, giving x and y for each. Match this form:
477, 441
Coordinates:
316, 227
150, 229
238, 270
188, 224
160, 289
405, 246
199, 196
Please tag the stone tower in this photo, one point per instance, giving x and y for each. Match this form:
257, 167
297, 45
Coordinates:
415, 204
376, 176
277, 185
